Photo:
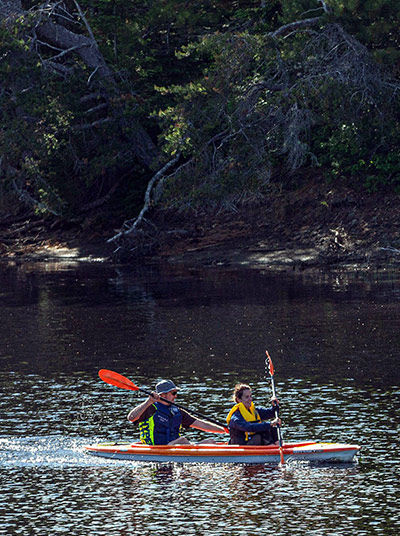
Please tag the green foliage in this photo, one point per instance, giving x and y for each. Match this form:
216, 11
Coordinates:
50, 154
240, 128
351, 154
225, 151
375, 23
192, 72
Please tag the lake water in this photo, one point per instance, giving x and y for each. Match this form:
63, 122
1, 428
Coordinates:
334, 340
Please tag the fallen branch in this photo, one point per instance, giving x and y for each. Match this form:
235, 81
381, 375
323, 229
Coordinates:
147, 199
98, 202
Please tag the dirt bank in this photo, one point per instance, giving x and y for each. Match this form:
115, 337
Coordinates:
316, 227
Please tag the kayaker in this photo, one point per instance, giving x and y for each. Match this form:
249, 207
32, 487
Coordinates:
160, 422
247, 423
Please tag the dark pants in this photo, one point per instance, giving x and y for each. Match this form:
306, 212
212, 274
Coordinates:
266, 438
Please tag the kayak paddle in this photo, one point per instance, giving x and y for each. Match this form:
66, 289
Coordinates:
268, 362
113, 378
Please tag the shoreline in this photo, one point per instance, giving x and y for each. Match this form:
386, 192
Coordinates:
246, 253
312, 228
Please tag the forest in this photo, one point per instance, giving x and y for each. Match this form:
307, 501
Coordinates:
125, 115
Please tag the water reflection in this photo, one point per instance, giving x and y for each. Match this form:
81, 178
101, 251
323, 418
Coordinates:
200, 322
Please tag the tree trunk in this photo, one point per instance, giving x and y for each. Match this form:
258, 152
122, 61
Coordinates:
85, 47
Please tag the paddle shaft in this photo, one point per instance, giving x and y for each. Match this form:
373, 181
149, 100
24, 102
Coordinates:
271, 373
276, 412
196, 413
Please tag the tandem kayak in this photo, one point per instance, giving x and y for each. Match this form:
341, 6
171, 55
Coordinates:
225, 453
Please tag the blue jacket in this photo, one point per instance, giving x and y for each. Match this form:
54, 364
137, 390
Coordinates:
162, 426
238, 426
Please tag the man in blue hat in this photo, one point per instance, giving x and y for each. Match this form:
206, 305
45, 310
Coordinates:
160, 422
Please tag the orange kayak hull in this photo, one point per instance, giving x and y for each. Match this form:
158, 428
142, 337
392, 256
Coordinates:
225, 453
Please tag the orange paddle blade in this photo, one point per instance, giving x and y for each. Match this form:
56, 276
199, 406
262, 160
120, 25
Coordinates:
270, 364
113, 378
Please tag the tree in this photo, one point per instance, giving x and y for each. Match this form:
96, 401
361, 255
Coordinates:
264, 106
306, 93
72, 125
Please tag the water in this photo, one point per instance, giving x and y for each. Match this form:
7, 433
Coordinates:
334, 340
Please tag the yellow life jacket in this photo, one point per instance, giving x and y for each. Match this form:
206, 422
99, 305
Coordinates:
249, 415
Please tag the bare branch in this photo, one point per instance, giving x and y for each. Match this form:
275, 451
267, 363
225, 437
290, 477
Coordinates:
27, 198
391, 249
92, 75
325, 7
64, 52
58, 68
82, 16
95, 124
297, 25
97, 108
302, 24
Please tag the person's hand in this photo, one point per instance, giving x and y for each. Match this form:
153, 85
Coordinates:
154, 397
274, 401
276, 422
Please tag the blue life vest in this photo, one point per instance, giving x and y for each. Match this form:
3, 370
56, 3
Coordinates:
162, 427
